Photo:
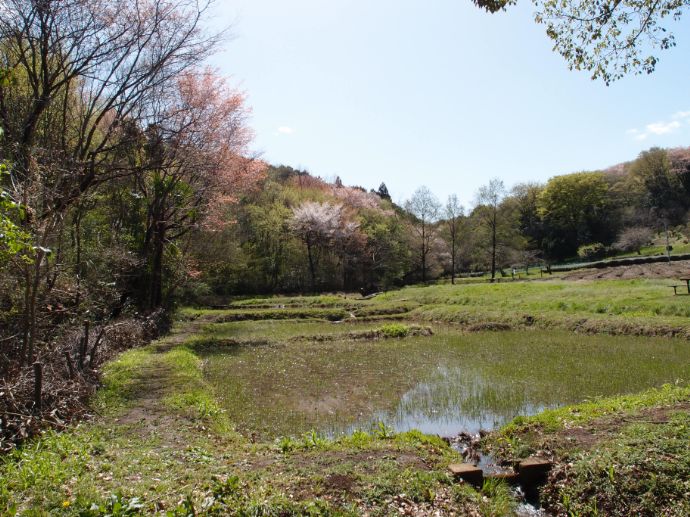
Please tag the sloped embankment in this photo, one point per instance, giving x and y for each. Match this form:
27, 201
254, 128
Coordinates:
618, 456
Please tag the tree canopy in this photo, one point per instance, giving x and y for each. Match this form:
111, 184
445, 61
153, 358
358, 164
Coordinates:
575, 209
608, 38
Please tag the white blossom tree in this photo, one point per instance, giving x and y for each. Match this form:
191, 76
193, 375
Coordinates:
319, 225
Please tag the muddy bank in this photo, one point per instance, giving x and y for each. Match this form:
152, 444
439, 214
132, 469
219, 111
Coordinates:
619, 456
671, 270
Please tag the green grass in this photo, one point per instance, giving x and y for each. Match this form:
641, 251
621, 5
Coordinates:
395, 330
185, 391
279, 330
162, 444
645, 470
644, 307
634, 307
557, 419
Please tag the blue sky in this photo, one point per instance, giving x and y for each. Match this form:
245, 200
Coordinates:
436, 93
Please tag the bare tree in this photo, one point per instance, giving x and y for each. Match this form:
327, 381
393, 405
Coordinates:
192, 160
100, 59
424, 206
453, 212
83, 72
489, 198
634, 239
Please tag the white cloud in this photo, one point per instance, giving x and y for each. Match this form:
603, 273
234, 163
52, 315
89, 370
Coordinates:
663, 127
681, 115
286, 130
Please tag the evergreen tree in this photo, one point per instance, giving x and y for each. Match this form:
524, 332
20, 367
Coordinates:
383, 192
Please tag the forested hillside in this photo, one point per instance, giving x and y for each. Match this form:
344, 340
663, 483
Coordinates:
295, 232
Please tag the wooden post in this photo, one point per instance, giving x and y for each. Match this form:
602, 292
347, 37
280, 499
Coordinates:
70, 364
38, 387
81, 354
92, 359
84, 345
86, 336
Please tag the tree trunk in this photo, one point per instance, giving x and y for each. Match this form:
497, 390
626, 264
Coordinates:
77, 244
156, 283
493, 249
32, 278
452, 254
424, 252
312, 268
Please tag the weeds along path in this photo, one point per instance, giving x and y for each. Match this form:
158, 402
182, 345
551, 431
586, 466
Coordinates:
151, 381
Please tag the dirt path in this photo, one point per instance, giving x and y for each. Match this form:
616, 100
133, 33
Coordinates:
182, 453
588, 436
150, 384
671, 270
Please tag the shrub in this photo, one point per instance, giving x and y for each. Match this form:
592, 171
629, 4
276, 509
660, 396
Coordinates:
395, 330
634, 239
593, 251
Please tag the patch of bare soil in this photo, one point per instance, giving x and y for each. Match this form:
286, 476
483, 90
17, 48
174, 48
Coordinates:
179, 336
145, 397
339, 482
489, 326
588, 436
354, 468
366, 461
364, 335
671, 270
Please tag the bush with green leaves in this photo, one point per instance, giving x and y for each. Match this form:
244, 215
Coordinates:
13, 240
593, 251
395, 330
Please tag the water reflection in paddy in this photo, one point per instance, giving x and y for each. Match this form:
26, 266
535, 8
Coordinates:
444, 384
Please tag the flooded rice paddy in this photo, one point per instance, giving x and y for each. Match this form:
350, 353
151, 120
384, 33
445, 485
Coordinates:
443, 384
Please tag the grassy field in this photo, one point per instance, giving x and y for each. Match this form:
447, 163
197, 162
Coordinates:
641, 307
195, 422
631, 307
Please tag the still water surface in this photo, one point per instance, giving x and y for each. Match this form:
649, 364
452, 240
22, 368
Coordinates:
443, 384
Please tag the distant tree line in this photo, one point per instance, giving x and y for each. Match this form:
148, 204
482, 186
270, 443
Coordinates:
299, 233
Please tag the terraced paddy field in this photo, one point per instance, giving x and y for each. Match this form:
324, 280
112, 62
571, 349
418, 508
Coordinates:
441, 384
332, 405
